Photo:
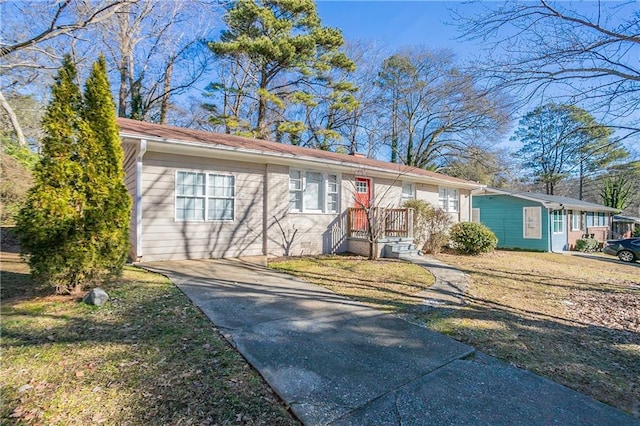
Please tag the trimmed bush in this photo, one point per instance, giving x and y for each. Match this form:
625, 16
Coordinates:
473, 238
587, 245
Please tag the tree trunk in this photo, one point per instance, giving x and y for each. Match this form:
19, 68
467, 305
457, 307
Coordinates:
14, 120
581, 179
164, 106
123, 68
394, 131
262, 109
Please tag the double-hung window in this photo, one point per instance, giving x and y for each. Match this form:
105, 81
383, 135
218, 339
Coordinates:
448, 199
332, 193
221, 197
576, 220
602, 219
408, 191
313, 192
204, 196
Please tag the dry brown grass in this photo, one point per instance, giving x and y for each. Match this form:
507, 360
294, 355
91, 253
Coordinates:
573, 319
146, 357
385, 284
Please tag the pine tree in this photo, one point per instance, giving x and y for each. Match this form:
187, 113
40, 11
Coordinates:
292, 57
74, 224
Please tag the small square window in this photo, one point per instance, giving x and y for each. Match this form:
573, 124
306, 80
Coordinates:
408, 191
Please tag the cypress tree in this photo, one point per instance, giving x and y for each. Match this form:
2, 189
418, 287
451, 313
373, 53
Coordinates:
74, 224
50, 222
109, 204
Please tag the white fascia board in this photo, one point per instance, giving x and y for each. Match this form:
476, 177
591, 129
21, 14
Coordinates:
179, 147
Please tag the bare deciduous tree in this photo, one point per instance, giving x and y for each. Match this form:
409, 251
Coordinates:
437, 108
25, 50
585, 53
157, 50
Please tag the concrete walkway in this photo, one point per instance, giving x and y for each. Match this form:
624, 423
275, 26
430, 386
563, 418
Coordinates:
450, 286
335, 361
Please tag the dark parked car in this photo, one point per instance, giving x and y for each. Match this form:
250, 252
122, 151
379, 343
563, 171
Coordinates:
627, 250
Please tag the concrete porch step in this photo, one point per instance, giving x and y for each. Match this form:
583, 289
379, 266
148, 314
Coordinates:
396, 249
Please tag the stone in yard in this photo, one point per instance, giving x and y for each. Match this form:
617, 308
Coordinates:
96, 296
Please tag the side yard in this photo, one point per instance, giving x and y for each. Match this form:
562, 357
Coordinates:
147, 357
575, 320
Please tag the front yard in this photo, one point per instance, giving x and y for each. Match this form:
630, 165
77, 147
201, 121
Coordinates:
146, 357
575, 320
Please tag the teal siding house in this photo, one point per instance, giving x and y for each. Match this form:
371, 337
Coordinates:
531, 221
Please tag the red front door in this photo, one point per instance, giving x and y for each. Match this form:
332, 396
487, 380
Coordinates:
362, 198
363, 192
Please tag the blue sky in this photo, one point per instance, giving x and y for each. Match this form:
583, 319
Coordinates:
397, 23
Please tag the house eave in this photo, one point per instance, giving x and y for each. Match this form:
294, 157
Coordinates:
181, 147
551, 205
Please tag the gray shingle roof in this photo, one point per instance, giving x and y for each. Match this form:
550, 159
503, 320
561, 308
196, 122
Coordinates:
566, 202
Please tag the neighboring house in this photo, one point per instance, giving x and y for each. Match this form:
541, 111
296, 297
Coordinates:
526, 220
624, 226
207, 195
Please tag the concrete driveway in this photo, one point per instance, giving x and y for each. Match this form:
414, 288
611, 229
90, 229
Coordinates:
335, 361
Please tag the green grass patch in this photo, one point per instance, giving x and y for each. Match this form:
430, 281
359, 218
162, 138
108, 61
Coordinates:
386, 284
148, 356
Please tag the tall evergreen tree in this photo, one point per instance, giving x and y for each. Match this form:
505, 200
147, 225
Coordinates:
73, 226
50, 221
109, 204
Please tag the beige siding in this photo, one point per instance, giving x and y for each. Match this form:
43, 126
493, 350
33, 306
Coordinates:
428, 193
129, 165
301, 233
386, 192
286, 232
167, 238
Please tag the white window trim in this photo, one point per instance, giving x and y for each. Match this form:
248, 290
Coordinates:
524, 223
207, 197
576, 214
448, 199
325, 183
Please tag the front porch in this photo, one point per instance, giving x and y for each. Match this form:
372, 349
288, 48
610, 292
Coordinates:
379, 223
390, 230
